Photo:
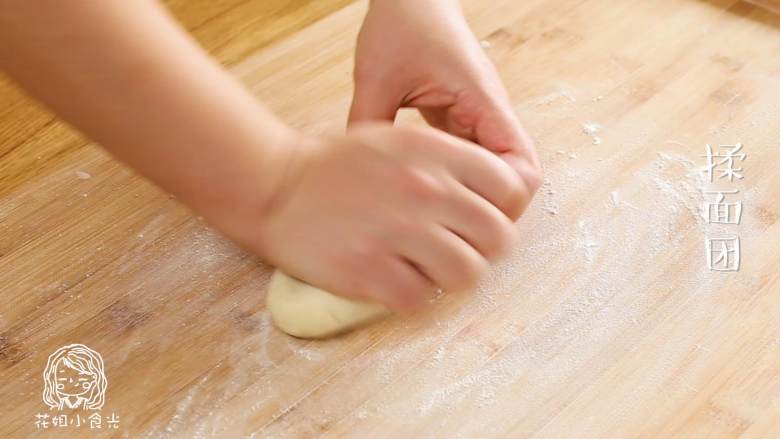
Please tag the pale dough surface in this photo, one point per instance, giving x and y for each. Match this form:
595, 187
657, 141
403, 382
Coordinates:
305, 311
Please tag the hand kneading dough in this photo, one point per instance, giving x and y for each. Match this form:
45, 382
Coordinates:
304, 311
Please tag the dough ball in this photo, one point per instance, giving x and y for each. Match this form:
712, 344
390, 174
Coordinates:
304, 311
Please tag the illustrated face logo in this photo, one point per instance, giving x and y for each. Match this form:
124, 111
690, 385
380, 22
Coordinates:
74, 378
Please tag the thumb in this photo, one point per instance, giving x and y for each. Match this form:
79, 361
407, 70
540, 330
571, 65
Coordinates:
500, 132
503, 135
372, 104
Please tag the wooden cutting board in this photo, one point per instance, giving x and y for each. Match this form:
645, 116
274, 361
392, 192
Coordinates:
772, 5
606, 320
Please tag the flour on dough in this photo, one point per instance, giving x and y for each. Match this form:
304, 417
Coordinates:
304, 311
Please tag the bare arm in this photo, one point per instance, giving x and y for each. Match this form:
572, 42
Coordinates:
130, 78
382, 213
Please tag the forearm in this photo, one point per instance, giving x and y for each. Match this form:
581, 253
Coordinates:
131, 79
421, 4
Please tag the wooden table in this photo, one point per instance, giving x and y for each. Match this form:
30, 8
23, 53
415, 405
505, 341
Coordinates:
606, 321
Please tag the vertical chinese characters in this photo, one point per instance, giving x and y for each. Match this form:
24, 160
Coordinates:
723, 252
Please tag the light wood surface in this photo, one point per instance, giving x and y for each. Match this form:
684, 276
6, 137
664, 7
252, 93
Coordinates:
604, 322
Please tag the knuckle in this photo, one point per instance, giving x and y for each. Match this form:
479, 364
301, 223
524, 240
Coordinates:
423, 186
493, 231
533, 178
389, 288
420, 289
357, 281
516, 196
411, 288
472, 211
402, 226
365, 248
470, 270
497, 240
398, 291
363, 252
512, 184
433, 142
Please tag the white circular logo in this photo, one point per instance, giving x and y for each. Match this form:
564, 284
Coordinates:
74, 378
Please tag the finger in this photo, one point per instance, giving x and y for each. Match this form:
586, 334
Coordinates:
372, 103
494, 180
500, 132
478, 222
485, 174
503, 134
529, 172
438, 118
400, 286
445, 258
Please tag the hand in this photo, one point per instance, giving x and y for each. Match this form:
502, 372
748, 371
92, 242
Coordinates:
421, 54
389, 214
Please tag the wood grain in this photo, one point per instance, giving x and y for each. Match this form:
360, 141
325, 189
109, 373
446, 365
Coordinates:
772, 5
604, 322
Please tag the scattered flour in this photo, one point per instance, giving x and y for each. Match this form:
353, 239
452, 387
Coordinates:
550, 205
591, 128
311, 354
614, 197
563, 92
586, 242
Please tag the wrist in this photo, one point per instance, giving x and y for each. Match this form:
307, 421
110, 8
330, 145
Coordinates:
425, 15
236, 193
